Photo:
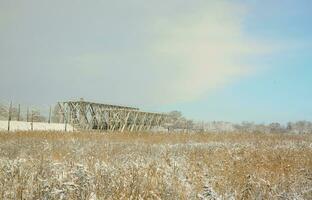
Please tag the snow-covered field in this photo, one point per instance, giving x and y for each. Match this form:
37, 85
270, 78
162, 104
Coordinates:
43, 165
36, 126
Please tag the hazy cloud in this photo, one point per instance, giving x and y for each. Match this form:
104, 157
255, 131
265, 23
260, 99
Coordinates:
134, 52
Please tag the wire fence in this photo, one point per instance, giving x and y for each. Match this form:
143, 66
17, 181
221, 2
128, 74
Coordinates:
14, 114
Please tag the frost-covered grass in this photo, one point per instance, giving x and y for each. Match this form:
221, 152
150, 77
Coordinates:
41, 165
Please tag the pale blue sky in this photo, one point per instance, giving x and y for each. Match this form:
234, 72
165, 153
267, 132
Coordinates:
213, 60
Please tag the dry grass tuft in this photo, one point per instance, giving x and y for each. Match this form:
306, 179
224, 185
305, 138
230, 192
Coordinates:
51, 165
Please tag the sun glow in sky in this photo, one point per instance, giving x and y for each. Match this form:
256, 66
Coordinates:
212, 60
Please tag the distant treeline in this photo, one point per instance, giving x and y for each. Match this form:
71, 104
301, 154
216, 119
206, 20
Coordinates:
178, 123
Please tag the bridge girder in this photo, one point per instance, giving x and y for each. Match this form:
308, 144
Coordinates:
88, 115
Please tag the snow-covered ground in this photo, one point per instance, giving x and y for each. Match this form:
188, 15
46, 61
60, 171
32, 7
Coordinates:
37, 126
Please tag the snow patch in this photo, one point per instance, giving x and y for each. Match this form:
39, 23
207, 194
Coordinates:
36, 126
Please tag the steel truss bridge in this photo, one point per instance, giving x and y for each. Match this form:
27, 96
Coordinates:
96, 116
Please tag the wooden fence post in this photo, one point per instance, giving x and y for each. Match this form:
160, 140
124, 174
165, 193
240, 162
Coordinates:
9, 119
65, 120
32, 121
27, 114
19, 112
50, 115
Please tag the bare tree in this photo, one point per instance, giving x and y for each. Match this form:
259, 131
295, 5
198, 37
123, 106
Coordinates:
177, 122
4, 112
299, 127
15, 113
56, 114
276, 128
37, 117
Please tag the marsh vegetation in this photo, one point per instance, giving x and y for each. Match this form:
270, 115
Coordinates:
54, 165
